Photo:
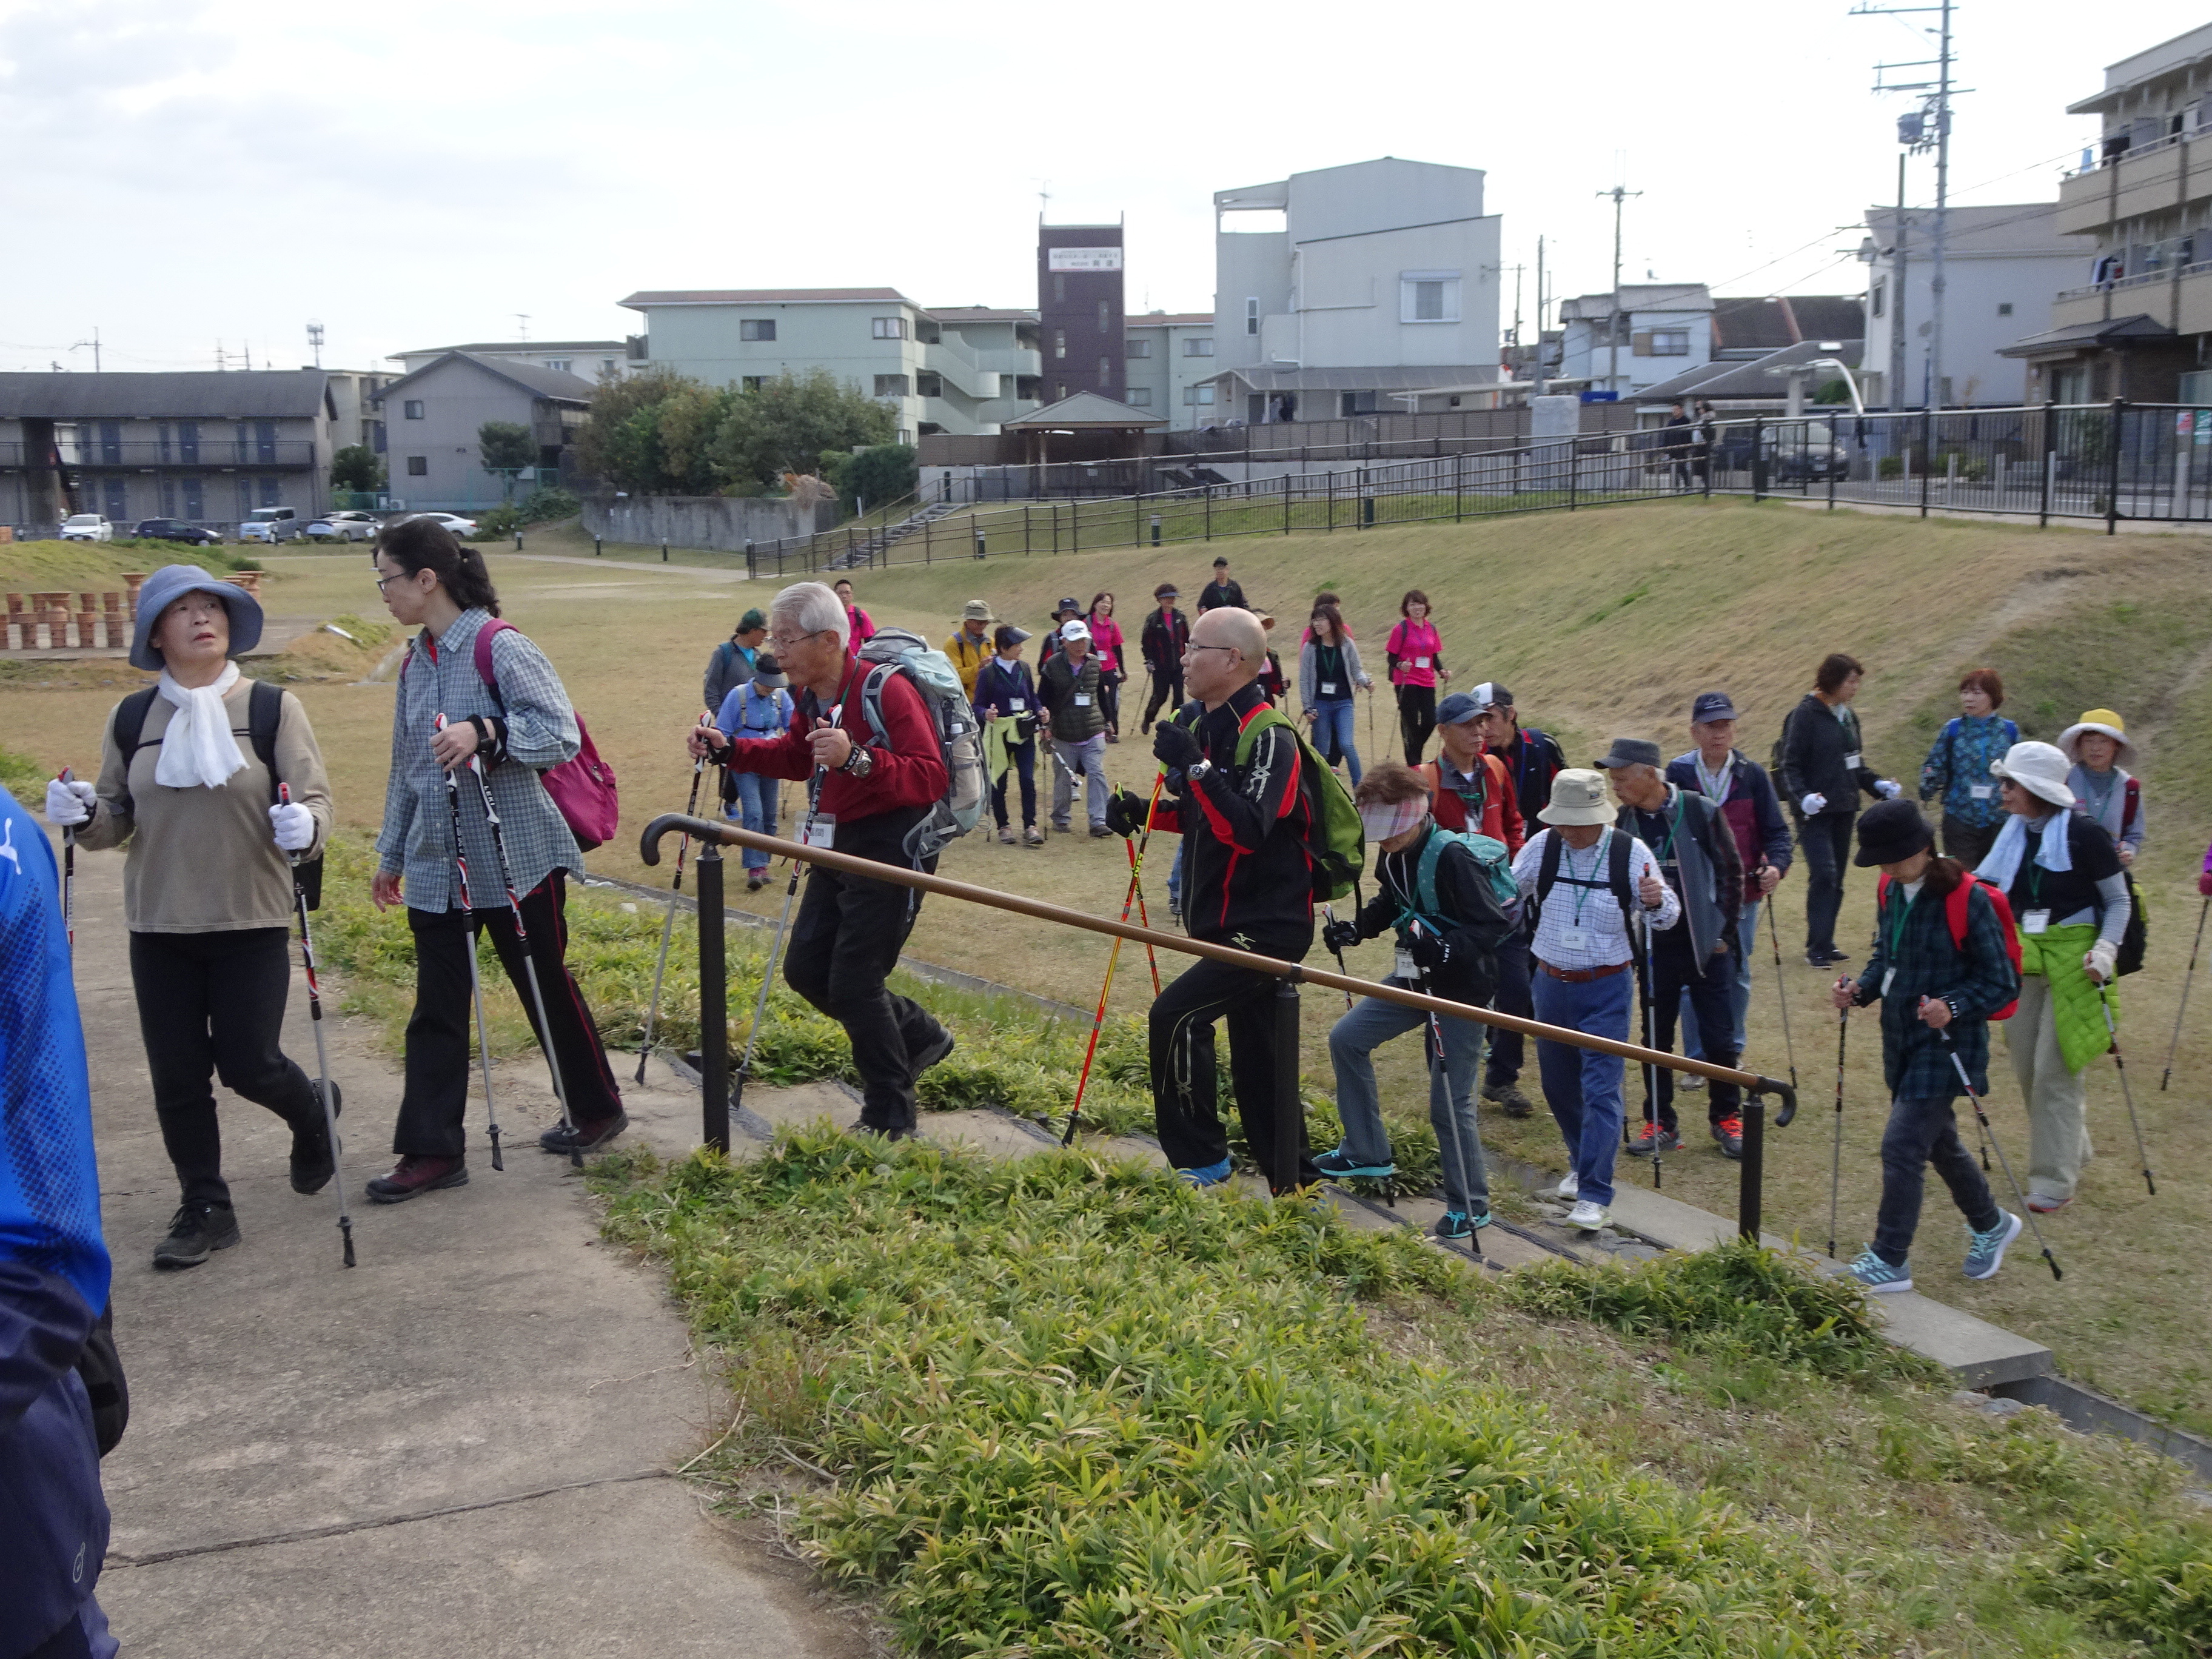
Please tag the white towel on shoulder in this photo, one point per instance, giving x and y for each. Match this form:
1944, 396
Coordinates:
198, 748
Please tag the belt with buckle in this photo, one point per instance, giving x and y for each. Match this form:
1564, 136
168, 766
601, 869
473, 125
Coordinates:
1581, 975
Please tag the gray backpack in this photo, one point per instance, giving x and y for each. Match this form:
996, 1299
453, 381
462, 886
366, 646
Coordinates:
959, 735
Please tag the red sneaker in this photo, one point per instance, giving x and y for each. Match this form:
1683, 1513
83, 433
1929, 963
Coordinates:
1729, 1133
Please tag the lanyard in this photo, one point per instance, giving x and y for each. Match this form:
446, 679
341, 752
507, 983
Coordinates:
1581, 881
1897, 927
1675, 823
1715, 784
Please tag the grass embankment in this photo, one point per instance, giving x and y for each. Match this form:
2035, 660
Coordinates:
1064, 1407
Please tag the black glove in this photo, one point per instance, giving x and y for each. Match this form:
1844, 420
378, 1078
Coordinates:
1125, 812
1430, 952
1174, 746
1340, 935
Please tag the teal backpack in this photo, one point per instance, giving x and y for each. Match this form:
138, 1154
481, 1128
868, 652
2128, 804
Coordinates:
1496, 864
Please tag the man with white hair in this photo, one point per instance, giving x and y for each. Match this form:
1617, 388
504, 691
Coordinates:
1071, 686
869, 790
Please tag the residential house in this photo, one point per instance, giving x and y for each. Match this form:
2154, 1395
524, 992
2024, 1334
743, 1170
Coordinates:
2000, 266
1347, 290
1648, 332
206, 446
432, 416
1168, 365
1753, 383
586, 358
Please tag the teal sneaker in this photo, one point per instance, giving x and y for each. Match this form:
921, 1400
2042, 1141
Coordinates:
1985, 1251
1208, 1175
1878, 1277
1455, 1225
1340, 1165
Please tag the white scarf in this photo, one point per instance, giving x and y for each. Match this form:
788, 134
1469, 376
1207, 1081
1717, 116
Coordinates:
2052, 850
198, 748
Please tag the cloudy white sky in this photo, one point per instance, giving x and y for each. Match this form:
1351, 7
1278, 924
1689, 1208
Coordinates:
188, 173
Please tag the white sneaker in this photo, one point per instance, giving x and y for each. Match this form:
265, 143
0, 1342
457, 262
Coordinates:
1570, 1185
1586, 1216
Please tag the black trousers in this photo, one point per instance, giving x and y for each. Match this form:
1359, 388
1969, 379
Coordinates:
1920, 1133
1167, 688
212, 1005
1417, 718
1021, 762
1109, 700
1825, 838
1711, 986
1506, 1054
1186, 1077
439, 1062
843, 944
1968, 843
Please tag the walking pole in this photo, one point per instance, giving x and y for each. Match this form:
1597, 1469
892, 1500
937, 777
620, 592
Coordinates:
1836, 1158
668, 923
322, 1050
775, 943
1144, 916
476, 982
2183, 1006
1113, 957
529, 962
2104, 1002
2019, 1197
1328, 914
68, 882
1650, 1072
1435, 1035
1781, 993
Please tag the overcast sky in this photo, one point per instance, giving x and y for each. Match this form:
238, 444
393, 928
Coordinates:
188, 173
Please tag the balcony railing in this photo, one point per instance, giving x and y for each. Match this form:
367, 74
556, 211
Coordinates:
140, 453
2146, 279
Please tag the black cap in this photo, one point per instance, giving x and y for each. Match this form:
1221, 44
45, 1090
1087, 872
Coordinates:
1890, 832
1629, 751
1712, 706
1221, 562
1071, 603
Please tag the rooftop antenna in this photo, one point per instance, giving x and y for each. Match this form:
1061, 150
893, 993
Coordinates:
315, 340
1044, 198
220, 365
522, 324
247, 348
1619, 194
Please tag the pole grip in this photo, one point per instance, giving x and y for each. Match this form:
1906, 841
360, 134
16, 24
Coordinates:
713, 1005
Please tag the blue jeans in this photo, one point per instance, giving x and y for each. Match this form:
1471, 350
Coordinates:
1331, 734
1366, 1027
1747, 939
1583, 1085
755, 810
1174, 871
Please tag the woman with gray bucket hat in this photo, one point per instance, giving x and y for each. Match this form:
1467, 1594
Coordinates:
189, 777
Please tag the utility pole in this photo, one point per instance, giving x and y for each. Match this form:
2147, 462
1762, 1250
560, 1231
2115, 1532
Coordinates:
315, 342
1897, 334
95, 343
1613, 319
522, 326
1919, 131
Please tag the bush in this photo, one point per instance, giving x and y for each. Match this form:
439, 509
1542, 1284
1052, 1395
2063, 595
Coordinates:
357, 468
1891, 466
2147, 1583
539, 507
1972, 467
879, 476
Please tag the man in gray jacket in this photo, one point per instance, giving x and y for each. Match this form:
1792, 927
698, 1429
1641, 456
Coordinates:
1697, 858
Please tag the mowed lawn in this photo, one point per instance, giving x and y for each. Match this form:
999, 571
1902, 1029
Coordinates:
1605, 623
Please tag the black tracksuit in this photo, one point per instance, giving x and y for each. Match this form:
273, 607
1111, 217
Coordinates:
1161, 644
1217, 595
1816, 745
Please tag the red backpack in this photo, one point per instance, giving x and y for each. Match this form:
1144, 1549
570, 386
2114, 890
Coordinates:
1955, 913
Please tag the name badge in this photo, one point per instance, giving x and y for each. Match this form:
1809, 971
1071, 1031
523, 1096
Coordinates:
1017, 704
1328, 688
1852, 763
1575, 939
1420, 662
823, 830
1981, 791
1083, 700
2034, 922
1405, 968
1888, 978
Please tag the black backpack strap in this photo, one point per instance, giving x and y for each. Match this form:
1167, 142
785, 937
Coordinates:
130, 727
1548, 872
264, 710
1623, 893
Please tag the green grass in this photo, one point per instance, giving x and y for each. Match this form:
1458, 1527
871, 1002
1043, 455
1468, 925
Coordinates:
23, 778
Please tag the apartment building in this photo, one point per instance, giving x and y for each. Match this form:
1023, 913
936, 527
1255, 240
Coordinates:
432, 417
1079, 309
1169, 366
2001, 265
353, 393
1628, 341
586, 358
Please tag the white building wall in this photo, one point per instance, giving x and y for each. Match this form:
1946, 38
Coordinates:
1990, 300
1165, 381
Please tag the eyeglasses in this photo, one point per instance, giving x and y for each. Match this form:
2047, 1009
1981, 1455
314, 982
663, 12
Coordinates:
1188, 649
785, 641
394, 577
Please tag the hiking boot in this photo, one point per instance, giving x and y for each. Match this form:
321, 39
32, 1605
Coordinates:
1099, 832
1570, 1184
1059, 827
585, 1136
1878, 1277
1006, 834
1340, 1165
313, 1163
1827, 958
1509, 1097
198, 1230
2044, 1204
1729, 1133
1588, 1217
862, 1127
754, 880
1032, 837
1655, 1139
1985, 1251
1208, 1175
934, 1050
413, 1176
1455, 1225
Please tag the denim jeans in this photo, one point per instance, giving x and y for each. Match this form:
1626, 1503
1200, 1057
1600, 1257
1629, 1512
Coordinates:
1366, 1027
755, 808
1583, 1085
1826, 840
1921, 1133
1089, 758
1331, 734
1174, 871
1747, 940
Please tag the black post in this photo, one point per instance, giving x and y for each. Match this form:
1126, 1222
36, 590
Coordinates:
518, 538
748, 558
1290, 1106
2050, 449
664, 550
1751, 1171
980, 549
595, 547
714, 1010
1156, 529
1758, 458
2112, 482
1927, 458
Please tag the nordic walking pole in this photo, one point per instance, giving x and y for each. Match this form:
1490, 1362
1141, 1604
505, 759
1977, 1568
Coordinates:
1112, 957
775, 943
1435, 1044
668, 923
68, 882
1650, 1072
476, 982
2104, 1002
322, 1050
2182, 1007
1144, 918
529, 962
1328, 914
1836, 1158
2019, 1197
1781, 992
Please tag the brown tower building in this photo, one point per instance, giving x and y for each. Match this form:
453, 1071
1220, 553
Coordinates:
1079, 310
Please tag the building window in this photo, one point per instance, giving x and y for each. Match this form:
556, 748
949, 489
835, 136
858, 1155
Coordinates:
418, 466
2004, 308
168, 498
1139, 397
560, 363
272, 492
264, 442
1251, 316
410, 408
1135, 347
1356, 402
764, 328
1428, 296
1669, 343
1875, 300
929, 386
890, 386
1059, 390
1060, 343
1198, 346
1059, 288
119, 499
1198, 394
1105, 317
889, 328
245, 496
111, 443
755, 382
1105, 370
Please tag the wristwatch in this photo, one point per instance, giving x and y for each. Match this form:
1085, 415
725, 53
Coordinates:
860, 762
1197, 770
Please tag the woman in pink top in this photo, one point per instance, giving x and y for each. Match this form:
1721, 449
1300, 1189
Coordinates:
863, 626
1106, 645
1414, 652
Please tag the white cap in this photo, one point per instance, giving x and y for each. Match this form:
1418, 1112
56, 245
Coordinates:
1077, 629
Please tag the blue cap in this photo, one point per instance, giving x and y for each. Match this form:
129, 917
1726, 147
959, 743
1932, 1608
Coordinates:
171, 583
1712, 706
1459, 708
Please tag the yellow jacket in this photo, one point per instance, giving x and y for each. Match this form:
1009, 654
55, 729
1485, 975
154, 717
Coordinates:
968, 655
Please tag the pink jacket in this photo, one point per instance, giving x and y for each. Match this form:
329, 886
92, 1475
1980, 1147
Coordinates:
1416, 645
1106, 641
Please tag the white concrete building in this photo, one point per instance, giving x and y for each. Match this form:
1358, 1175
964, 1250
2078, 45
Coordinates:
1647, 333
2000, 266
1171, 366
1337, 287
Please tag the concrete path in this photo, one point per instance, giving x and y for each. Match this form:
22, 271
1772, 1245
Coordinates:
464, 1446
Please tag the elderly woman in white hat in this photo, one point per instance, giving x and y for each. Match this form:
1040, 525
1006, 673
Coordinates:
2063, 876
2097, 745
188, 774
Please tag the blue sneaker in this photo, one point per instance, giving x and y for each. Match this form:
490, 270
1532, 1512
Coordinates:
1878, 1277
1340, 1165
1455, 1225
1210, 1175
1985, 1251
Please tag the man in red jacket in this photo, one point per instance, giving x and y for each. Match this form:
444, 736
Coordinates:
872, 785
1468, 789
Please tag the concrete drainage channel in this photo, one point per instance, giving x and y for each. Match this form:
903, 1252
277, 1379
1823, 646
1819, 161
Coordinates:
2010, 1370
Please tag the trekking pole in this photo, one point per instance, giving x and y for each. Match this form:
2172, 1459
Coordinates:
1113, 957
1144, 916
668, 923
322, 1050
1836, 1158
774, 944
476, 982
2104, 1002
1328, 914
529, 962
68, 882
1781, 993
2182, 1007
2019, 1197
1435, 1044
1650, 1071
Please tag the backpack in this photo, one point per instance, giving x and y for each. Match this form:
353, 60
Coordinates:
1955, 913
959, 735
1336, 842
264, 708
583, 789
1616, 882
1490, 857
1776, 768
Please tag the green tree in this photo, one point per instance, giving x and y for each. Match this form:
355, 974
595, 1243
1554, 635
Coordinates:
619, 443
789, 423
878, 474
506, 447
662, 433
357, 467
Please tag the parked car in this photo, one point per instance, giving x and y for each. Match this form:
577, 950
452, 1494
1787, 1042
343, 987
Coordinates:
346, 525
87, 527
176, 530
452, 521
269, 523
1796, 451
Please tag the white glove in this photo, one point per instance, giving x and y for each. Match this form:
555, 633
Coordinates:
1814, 803
70, 804
2100, 961
293, 826
1887, 789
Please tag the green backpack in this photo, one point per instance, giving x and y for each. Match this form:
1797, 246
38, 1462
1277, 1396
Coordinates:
1335, 839
1490, 855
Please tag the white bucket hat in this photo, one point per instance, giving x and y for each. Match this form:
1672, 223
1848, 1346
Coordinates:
2038, 768
2097, 720
1578, 797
